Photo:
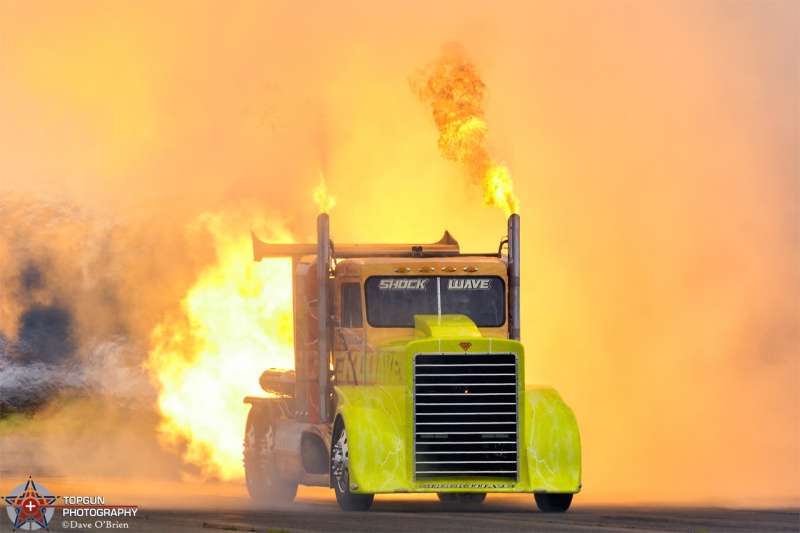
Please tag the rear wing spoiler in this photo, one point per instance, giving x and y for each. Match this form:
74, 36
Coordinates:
446, 246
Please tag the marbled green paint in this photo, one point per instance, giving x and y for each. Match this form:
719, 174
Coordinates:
375, 419
550, 443
379, 422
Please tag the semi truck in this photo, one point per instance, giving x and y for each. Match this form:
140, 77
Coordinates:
409, 377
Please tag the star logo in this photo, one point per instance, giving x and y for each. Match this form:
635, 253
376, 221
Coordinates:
29, 506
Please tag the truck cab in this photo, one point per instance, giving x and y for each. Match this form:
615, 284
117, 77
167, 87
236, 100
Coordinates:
409, 377
379, 304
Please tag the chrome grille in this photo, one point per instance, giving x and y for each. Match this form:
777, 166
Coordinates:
465, 415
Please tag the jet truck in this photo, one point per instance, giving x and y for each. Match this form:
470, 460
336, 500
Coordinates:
409, 378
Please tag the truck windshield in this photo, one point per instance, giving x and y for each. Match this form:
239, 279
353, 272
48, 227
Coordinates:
392, 301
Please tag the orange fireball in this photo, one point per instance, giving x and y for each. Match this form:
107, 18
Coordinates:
235, 322
455, 91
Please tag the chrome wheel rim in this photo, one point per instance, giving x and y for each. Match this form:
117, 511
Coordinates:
341, 462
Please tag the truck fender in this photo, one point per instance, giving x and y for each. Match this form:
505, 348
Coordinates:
372, 416
551, 443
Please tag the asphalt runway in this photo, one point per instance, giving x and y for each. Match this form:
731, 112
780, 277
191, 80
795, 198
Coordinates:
175, 507
417, 517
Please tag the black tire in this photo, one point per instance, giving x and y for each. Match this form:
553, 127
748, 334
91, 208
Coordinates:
340, 474
553, 503
264, 482
471, 498
462, 498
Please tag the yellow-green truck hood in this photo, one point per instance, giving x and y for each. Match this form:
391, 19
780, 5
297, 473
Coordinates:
410, 437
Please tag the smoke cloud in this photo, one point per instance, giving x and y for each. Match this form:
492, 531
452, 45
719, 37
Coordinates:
654, 147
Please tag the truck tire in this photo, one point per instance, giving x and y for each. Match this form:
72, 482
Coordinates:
471, 498
553, 503
340, 474
264, 482
462, 498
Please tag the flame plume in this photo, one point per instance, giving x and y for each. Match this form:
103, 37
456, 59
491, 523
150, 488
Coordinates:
455, 91
235, 322
322, 197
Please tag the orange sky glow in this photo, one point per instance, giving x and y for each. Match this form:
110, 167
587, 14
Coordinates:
653, 148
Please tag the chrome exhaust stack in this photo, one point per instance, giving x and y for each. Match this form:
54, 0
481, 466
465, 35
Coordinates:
323, 264
513, 277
